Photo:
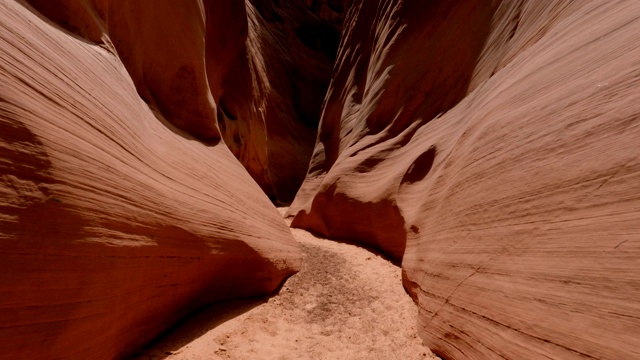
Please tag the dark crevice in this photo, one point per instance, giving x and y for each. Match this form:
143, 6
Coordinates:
222, 106
320, 37
336, 5
516, 20
269, 10
420, 167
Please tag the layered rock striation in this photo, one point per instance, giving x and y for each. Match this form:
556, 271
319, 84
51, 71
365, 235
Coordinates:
253, 73
115, 221
270, 100
491, 146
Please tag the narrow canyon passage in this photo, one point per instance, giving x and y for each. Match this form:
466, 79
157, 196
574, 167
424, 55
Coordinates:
345, 303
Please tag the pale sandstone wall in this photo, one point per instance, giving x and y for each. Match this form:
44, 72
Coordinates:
114, 223
493, 147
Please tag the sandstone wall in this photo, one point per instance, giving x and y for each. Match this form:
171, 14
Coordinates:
271, 98
114, 223
492, 146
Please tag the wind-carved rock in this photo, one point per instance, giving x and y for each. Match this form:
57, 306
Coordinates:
270, 101
115, 221
491, 147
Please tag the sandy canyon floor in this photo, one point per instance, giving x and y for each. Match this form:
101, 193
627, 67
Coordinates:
345, 303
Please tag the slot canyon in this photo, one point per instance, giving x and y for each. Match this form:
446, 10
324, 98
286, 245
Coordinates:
321, 179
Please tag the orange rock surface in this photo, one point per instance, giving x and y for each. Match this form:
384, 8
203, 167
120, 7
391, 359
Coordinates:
114, 223
271, 99
259, 69
168, 66
493, 147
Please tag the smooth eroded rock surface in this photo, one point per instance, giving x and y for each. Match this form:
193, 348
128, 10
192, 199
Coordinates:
163, 47
113, 222
492, 147
395, 64
270, 101
253, 73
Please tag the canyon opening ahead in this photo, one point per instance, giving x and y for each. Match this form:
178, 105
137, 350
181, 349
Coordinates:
321, 179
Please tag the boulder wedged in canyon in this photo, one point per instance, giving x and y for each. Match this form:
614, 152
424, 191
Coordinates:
113, 223
502, 137
270, 101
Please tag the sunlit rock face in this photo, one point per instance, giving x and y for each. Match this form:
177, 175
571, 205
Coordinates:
492, 147
120, 212
253, 73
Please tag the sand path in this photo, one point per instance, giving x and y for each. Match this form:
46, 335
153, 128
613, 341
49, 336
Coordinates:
345, 303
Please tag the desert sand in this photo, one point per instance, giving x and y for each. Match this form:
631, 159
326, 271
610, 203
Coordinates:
345, 303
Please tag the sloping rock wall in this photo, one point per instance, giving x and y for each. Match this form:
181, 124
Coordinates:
271, 99
253, 73
114, 223
396, 69
492, 148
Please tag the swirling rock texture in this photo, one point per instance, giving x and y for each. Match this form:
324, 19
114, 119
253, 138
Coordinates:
260, 71
270, 102
493, 147
114, 223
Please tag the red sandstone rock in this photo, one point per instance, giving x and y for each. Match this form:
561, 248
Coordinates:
167, 65
114, 223
500, 140
260, 70
388, 80
270, 101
